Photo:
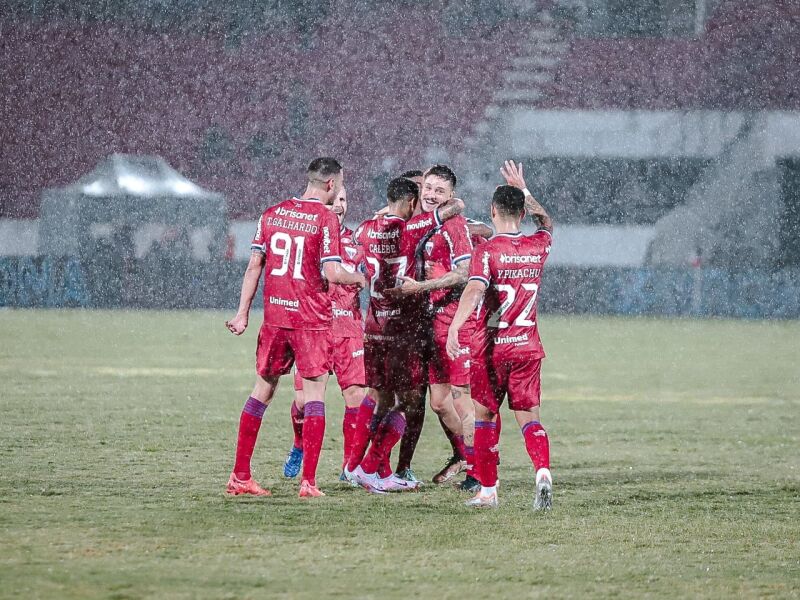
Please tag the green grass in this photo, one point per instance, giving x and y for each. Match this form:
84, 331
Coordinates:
675, 456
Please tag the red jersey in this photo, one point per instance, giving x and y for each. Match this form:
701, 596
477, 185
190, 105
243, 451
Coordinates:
346, 307
510, 265
297, 237
389, 244
446, 248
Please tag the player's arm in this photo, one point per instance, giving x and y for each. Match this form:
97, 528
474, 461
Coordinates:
456, 277
467, 304
456, 207
252, 274
479, 229
513, 175
334, 273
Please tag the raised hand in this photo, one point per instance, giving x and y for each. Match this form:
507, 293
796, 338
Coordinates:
513, 174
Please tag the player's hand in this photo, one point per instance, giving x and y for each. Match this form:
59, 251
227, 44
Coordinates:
361, 282
237, 324
452, 343
512, 173
410, 286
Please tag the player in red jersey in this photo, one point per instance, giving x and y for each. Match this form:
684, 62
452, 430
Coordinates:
347, 348
446, 253
505, 275
297, 247
392, 356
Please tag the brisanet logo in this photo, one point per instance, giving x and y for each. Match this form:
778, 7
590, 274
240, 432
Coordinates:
520, 260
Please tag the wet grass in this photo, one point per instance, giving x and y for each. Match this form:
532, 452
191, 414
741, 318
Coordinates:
675, 450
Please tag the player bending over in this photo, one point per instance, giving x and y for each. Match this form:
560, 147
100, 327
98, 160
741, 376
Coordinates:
505, 274
393, 364
347, 350
297, 247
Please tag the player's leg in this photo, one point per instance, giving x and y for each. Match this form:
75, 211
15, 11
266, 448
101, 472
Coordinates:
348, 365
312, 351
375, 364
294, 459
415, 419
273, 359
488, 391
442, 405
462, 400
389, 425
524, 393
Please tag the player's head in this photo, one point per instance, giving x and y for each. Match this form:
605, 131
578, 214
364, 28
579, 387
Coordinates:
339, 206
438, 185
325, 177
414, 175
401, 196
508, 204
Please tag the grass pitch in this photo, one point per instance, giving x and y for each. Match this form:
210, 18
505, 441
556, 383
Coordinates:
674, 444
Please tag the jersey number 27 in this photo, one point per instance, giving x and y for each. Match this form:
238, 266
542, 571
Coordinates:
522, 320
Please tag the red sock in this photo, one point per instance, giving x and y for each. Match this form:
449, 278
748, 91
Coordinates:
499, 425
348, 431
389, 433
485, 453
537, 444
249, 424
297, 425
313, 432
385, 468
361, 435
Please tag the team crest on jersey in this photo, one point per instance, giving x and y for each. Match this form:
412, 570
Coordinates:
351, 252
428, 247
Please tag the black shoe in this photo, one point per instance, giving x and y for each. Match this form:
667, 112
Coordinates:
470, 484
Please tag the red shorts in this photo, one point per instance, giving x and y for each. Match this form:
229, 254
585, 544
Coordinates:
395, 362
491, 379
347, 358
442, 368
278, 349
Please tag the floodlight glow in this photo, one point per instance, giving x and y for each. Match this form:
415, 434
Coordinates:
132, 183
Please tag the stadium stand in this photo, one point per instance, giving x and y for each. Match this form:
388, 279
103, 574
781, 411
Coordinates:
381, 96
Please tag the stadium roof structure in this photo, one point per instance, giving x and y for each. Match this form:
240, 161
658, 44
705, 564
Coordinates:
127, 190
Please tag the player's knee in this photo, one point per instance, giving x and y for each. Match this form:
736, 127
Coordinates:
353, 396
264, 389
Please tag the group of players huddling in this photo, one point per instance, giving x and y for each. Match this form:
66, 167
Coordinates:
452, 310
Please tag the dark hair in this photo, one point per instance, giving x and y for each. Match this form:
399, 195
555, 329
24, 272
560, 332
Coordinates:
444, 172
324, 168
401, 188
411, 173
508, 200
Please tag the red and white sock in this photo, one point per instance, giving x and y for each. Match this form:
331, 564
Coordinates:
486, 453
313, 432
537, 444
297, 425
361, 435
249, 424
389, 433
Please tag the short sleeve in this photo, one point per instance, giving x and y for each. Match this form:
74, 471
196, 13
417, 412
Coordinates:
458, 240
331, 239
259, 244
544, 240
479, 267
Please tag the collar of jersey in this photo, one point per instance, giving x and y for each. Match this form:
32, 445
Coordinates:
517, 234
317, 200
391, 216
